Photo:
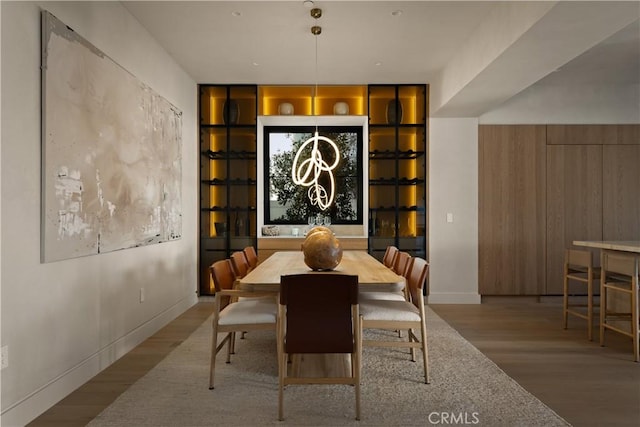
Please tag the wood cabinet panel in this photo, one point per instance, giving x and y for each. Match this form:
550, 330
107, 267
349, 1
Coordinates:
621, 192
574, 204
582, 134
593, 134
512, 213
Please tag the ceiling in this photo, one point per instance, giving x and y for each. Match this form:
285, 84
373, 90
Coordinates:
474, 54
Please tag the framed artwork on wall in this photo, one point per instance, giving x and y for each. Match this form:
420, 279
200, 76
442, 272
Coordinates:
111, 153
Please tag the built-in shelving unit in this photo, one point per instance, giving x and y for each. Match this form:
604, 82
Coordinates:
227, 173
397, 146
397, 168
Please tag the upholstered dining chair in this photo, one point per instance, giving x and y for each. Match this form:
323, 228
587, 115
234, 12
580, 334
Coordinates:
318, 314
236, 311
240, 264
401, 262
389, 256
399, 314
252, 256
400, 267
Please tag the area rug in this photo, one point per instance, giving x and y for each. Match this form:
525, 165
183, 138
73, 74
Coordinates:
466, 389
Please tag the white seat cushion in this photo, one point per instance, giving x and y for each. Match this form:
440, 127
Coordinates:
394, 296
389, 310
249, 311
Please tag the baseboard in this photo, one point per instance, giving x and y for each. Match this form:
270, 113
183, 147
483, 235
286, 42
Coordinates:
453, 298
51, 393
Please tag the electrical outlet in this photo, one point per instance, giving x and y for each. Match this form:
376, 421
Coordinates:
141, 294
449, 217
4, 355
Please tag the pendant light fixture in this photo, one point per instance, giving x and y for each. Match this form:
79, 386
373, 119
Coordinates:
307, 172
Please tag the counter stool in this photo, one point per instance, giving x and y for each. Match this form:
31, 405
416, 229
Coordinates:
578, 268
620, 276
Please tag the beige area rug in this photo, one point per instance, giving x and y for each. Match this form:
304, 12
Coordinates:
466, 389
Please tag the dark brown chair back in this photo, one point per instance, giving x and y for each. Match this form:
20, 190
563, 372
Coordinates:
318, 317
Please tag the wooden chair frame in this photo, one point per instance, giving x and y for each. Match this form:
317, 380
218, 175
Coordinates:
333, 283
620, 275
252, 256
383, 314
578, 267
255, 311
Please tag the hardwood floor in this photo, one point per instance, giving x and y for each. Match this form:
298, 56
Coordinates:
586, 384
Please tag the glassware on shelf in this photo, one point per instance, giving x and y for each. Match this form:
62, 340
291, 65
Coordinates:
327, 221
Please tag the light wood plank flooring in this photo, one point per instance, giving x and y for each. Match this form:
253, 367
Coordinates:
586, 384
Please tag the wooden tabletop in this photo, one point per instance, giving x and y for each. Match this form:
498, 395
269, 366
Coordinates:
372, 274
616, 245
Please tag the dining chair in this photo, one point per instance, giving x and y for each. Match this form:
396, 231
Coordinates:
620, 276
395, 315
252, 256
389, 256
240, 264
579, 270
400, 267
401, 262
318, 314
236, 311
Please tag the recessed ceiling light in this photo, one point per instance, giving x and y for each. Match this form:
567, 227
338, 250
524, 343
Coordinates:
378, 63
255, 64
308, 4
396, 12
236, 13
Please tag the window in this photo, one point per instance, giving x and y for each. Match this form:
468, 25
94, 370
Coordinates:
288, 203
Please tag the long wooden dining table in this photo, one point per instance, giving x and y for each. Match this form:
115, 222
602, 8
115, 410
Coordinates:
372, 274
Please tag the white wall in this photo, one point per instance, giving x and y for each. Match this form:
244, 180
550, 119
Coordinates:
65, 321
453, 189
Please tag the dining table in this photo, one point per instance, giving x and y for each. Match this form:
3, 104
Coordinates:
372, 274
632, 246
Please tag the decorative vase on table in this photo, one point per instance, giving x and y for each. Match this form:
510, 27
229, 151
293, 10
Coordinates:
322, 250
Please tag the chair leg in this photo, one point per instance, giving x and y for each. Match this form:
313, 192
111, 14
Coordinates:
356, 360
231, 346
412, 350
214, 352
635, 320
565, 300
590, 309
425, 352
356, 374
282, 366
603, 311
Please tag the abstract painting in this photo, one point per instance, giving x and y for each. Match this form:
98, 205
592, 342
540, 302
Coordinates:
111, 153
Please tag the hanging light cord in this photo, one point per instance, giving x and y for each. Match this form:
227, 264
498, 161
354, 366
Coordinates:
307, 172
